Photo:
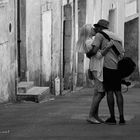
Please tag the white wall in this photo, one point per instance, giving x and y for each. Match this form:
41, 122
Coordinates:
33, 39
46, 44
130, 8
7, 51
121, 18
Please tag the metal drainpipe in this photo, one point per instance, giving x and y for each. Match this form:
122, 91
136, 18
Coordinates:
73, 27
18, 36
61, 51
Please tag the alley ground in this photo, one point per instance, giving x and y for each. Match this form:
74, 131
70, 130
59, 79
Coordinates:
64, 118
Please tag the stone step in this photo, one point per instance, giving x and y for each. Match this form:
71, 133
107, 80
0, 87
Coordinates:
35, 94
23, 87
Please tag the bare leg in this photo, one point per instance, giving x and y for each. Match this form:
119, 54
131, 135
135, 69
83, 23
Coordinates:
101, 96
95, 104
119, 100
92, 108
110, 101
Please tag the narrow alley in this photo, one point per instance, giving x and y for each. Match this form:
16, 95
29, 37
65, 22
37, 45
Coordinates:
45, 89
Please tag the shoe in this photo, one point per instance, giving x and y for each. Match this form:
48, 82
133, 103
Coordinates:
122, 122
127, 83
92, 120
111, 121
100, 120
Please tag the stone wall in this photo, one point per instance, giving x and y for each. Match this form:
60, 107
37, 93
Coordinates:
7, 51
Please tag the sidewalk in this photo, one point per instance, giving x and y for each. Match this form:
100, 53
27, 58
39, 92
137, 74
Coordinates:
65, 119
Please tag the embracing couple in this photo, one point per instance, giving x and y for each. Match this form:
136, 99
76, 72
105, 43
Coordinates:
94, 42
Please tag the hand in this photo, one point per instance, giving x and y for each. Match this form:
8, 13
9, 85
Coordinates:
110, 43
88, 55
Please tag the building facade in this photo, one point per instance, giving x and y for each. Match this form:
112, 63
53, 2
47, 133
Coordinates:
38, 40
8, 58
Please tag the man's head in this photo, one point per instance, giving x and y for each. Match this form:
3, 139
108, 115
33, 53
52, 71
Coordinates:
101, 24
87, 30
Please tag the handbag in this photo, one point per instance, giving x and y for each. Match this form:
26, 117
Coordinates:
126, 66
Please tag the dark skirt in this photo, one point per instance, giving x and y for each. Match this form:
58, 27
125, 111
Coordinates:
111, 80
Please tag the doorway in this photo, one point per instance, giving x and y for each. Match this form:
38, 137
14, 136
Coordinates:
131, 46
21, 40
67, 38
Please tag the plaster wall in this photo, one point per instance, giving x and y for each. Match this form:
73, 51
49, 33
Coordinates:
33, 40
56, 36
7, 50
54, 42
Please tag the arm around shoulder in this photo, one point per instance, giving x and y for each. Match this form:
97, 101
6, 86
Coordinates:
106, 50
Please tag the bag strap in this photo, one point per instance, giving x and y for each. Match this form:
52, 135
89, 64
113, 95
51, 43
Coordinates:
109, 39
105, 35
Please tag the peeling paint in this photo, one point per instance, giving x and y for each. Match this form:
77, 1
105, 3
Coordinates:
7, 52
4, 72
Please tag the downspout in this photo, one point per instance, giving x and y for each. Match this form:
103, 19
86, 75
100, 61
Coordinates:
18, 36
16, 50
61, 50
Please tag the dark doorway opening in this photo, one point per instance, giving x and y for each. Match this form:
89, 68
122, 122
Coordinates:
21, 39
67, 37
131, 43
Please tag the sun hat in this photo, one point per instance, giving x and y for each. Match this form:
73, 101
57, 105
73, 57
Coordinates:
102, 23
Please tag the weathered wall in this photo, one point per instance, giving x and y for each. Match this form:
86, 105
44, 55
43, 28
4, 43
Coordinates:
100, 9
67, 46
119, 7
56, 38
81, 22
131, 43
36, 65
33, 39
55, 6
46, 46
7, 51
120, 18
56, 34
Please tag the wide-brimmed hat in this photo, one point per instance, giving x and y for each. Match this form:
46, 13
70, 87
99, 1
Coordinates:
102, 23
